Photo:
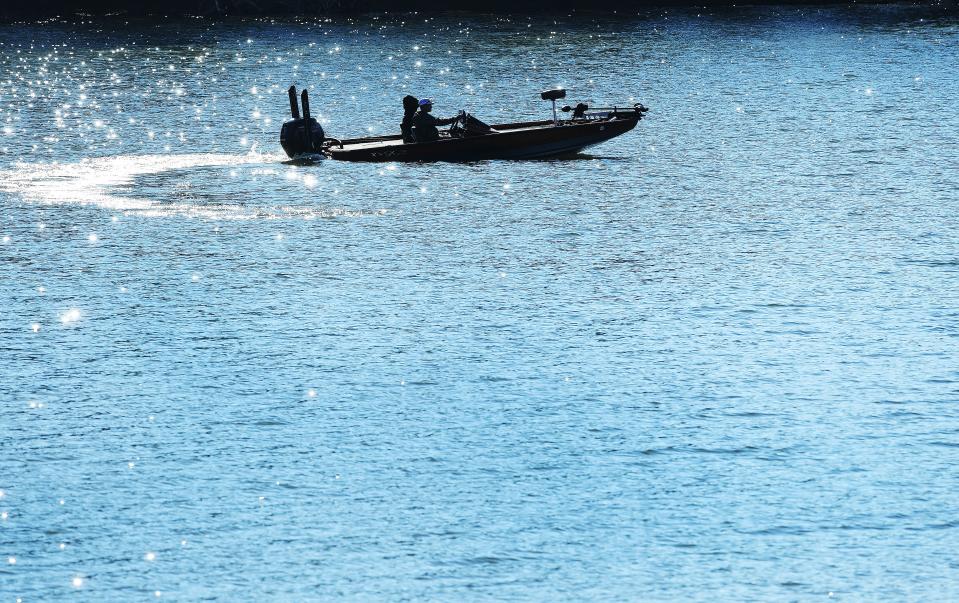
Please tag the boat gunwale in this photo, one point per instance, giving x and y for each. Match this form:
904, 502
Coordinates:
358, 144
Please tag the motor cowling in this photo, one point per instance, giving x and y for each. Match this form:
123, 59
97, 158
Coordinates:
301, 136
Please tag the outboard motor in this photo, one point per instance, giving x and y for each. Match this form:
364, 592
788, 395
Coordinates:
301, 135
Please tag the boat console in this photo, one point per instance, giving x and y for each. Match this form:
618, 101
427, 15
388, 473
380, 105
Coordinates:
468, 125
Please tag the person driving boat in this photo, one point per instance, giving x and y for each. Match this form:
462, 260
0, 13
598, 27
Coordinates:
424, 124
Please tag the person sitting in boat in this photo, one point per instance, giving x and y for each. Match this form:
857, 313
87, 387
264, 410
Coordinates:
410, 104
424, 124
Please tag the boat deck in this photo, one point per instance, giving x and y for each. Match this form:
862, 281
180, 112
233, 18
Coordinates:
397, 140
521, 140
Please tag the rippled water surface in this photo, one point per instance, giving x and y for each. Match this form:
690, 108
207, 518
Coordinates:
712, 358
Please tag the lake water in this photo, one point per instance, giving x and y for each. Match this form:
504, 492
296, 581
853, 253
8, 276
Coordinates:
714, 358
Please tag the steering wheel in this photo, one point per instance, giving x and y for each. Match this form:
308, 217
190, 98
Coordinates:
459, 124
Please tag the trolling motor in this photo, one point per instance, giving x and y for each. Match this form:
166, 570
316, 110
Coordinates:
579, 111
301, 135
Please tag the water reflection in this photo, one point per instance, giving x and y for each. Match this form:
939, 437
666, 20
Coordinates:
711, 359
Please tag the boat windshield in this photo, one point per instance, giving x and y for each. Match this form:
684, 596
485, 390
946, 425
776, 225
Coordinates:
468, 125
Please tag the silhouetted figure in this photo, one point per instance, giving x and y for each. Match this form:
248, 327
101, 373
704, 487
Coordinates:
410, 103
424, 124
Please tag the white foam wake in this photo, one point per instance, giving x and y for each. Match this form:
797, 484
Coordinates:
107, 182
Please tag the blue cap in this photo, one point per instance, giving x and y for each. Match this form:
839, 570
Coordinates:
425, 101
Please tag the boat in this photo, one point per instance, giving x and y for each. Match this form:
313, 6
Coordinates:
468, 138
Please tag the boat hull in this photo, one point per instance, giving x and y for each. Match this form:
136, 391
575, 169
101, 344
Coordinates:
512, 141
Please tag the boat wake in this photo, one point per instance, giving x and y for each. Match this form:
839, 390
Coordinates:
197, 185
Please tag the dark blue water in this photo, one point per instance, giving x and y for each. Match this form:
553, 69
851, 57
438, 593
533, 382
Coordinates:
714, 358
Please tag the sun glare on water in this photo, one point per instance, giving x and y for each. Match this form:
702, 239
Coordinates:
112, 183
71, 316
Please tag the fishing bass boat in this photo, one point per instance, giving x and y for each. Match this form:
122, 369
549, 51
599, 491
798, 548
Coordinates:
468, 138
